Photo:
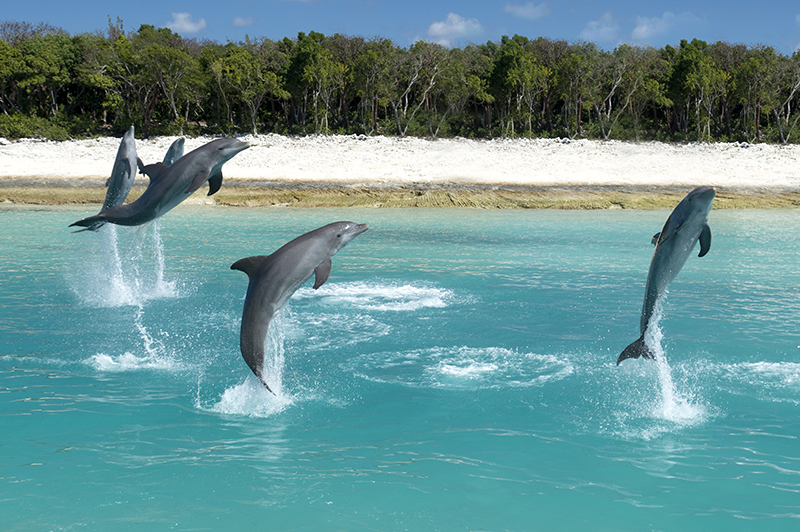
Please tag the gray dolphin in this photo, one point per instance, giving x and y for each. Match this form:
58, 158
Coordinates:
687, 224
174, 152
170, 185
122, 176
274, 278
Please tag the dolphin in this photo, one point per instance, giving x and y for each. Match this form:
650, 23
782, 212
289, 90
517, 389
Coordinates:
174, 152
170, 185
122, 176
687, 224
274, 278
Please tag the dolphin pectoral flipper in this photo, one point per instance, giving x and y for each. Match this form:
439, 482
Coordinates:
322, 272
705, 240
214, 183
635, 350
654, 240
197, 182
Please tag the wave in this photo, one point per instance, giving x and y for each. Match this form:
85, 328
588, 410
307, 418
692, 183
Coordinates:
767, 381
380, 296
460, 368
324, 331
155, 354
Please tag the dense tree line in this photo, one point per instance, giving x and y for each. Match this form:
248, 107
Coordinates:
58, 85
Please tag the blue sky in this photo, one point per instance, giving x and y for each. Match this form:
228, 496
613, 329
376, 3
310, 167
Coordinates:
452, 23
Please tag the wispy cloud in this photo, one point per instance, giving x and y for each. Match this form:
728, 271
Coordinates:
243, 22
454, 28
183, 23
605, 29
528, 11
797, 18
648, 28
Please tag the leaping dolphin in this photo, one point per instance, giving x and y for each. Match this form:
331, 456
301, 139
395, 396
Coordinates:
170, 185
274, 278
174, 152
687, 224
122, 176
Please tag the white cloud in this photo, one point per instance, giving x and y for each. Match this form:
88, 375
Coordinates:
183, 23
454, 28
603, 29
648, 28
797, 18
242, 22
529, 11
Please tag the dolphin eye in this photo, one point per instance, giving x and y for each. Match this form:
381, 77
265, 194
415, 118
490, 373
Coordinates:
339, 235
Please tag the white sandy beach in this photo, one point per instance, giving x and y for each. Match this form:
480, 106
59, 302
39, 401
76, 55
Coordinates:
386, 162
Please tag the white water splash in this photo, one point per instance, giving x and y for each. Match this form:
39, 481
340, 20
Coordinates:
674, 405
380, 296
250, 398
154, 354
125, 268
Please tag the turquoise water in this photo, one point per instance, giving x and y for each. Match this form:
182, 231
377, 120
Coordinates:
456, 372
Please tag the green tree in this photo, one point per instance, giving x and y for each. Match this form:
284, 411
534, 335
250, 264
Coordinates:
10, 64
786, 95
756, 72
416, 71
372, 79
46, 69
173, 70
248, 79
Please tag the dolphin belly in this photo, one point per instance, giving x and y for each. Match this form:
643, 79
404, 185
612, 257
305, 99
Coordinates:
686, 225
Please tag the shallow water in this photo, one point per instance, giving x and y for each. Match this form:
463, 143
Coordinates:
456, 372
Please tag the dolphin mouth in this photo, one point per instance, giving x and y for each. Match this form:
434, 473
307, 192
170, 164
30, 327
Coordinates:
358, 229
235, 148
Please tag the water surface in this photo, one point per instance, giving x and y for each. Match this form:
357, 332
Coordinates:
456, 372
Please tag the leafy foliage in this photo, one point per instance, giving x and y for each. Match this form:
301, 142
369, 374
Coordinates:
56, 85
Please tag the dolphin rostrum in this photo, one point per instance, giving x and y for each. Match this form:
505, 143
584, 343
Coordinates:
274, 278
687, 224
122, 176
174, 152
170, 185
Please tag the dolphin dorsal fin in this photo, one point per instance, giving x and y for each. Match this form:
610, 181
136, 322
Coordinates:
705, 239
322, 272
249, 265
154, 171
197, 182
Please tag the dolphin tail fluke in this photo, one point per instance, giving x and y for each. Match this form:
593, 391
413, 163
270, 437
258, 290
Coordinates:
92, 223
635, 350
94, 227
267, 387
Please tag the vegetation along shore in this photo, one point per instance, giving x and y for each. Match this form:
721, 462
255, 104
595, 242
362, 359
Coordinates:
350, 121
58, 86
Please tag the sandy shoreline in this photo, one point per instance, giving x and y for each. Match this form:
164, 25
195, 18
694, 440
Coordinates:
406, 172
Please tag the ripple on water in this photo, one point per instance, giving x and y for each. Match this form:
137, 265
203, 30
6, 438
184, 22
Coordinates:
460, 368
